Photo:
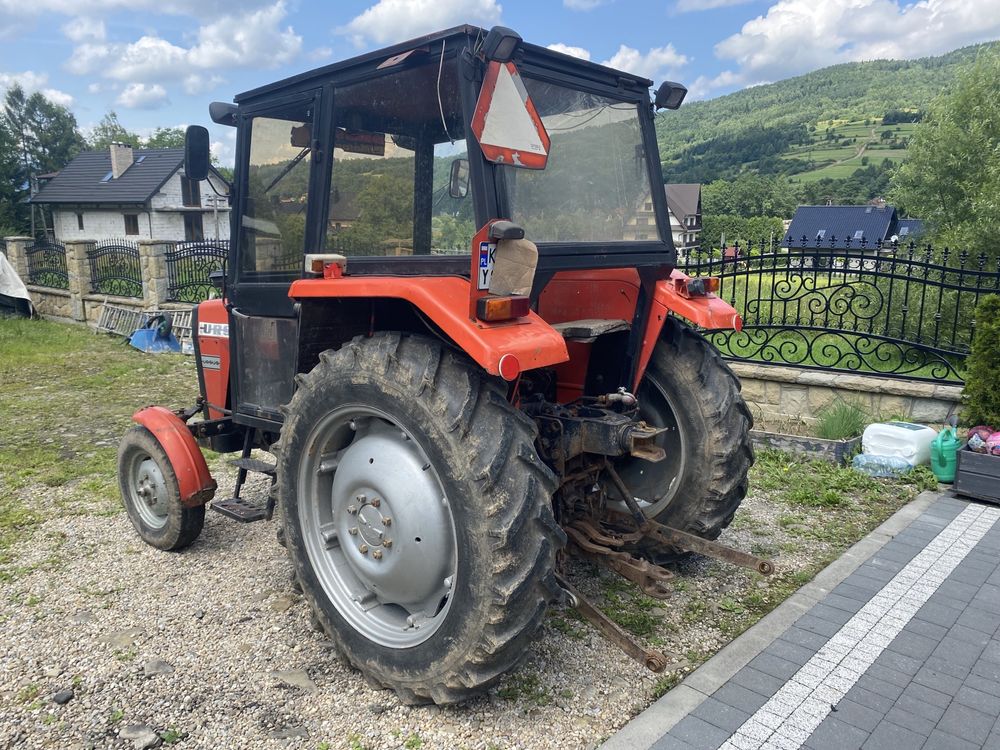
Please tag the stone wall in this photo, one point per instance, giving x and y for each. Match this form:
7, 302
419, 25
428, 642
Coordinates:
79, 303
781, 396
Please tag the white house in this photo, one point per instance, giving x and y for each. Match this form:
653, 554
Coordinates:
684, 210
136, 194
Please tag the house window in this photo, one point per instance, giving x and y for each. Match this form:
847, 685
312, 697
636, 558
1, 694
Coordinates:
642, 221
648, 206
131, 224
820, 234
79, 222
190, 191
194, 231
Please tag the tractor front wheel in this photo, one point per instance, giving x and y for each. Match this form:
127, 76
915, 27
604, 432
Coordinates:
151, 493
417, 516
691, 391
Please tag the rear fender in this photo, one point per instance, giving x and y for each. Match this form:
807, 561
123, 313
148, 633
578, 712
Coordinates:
708, 312
196, 484
445, 300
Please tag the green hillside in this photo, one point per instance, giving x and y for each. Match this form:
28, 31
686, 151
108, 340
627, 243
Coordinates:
825, 124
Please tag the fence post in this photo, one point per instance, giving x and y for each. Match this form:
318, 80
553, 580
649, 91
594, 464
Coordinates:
16, 255
153, 266
78, 272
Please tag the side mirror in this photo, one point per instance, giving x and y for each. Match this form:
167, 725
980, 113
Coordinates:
669, 95
458, 182
196, 153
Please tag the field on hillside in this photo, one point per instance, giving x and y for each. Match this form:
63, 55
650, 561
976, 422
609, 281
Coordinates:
839, 147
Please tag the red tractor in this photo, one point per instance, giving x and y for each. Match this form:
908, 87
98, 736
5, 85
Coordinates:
451, 313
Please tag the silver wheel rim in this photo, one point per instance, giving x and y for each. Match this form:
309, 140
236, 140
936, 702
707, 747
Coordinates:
638, 474
148, 491
377, 526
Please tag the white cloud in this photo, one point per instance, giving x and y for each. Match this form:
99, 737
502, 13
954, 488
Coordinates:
143, 96
31, 82
796, 36
659, 62
690, 6
256, 39
566, 49
84, 29
397, 20
583, 4
321, 54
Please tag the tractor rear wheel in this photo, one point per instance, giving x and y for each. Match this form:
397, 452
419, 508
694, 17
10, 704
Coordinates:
417, 516
151, 493
691, 391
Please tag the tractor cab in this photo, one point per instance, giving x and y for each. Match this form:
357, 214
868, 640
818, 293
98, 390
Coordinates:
451, 314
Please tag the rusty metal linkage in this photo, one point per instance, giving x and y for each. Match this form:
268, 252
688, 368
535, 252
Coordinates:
650, 578
653, 660
676, 538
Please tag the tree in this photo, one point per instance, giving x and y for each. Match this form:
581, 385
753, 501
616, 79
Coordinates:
952, 176
166, 138
39, 136
109, 130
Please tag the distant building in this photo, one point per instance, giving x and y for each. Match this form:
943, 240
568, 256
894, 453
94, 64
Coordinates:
136, 194
684, 209
849, 227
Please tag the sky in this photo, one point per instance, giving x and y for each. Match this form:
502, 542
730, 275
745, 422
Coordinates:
158, 63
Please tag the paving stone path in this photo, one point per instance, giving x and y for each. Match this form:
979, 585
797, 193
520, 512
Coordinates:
903, 654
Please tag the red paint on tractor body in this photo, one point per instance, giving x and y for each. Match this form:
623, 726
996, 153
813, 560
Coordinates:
445, 300
213, 348
193, 477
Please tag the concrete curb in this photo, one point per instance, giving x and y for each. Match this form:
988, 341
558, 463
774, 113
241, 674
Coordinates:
649, 726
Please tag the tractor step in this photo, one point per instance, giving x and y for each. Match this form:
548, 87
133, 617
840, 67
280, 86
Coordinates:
240, 510
255, 465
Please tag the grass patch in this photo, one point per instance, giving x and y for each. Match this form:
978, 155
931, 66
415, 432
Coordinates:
840, 421
526, 686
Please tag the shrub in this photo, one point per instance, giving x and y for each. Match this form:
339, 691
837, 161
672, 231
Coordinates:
840, 421
981, 397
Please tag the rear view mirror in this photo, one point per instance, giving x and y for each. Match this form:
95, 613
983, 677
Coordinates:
196, 153
458, 183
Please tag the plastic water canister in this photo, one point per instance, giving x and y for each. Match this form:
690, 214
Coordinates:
911, 442
944, 454
881, 466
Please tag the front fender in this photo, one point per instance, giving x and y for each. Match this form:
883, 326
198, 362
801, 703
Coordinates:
193, 478
445, 300
708, 312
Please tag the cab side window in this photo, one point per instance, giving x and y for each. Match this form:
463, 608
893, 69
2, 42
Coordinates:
273, 224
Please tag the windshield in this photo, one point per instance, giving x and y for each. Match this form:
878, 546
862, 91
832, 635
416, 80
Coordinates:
595, 187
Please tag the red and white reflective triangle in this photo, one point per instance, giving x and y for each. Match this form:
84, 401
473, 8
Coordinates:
506, 123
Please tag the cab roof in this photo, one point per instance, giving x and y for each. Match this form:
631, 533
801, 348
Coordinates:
465, 34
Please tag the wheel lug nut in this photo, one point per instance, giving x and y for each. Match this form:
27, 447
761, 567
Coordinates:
361, 498
352, 509
375, 502
363, 549
386, 521
377, 554
387, 543
353, 531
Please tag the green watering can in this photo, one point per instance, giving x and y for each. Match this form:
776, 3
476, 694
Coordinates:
944, 454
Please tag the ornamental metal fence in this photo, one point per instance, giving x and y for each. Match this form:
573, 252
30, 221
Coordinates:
188, 267
881, 310
47, 264
115, 268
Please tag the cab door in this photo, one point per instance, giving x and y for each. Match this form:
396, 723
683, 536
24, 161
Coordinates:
277, 220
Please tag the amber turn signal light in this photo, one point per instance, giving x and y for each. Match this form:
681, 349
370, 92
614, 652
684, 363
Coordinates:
492, 309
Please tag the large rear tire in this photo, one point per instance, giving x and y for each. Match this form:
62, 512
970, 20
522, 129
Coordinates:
691, 391
417, 516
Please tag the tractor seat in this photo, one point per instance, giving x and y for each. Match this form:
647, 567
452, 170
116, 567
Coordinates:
585, 331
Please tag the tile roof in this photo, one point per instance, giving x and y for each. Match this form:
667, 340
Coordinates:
684, 199
840, 224
82, 180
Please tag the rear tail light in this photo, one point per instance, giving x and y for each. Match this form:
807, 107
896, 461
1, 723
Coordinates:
697, 287
492, 309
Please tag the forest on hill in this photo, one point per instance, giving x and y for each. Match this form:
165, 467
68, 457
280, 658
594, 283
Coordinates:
758, 128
